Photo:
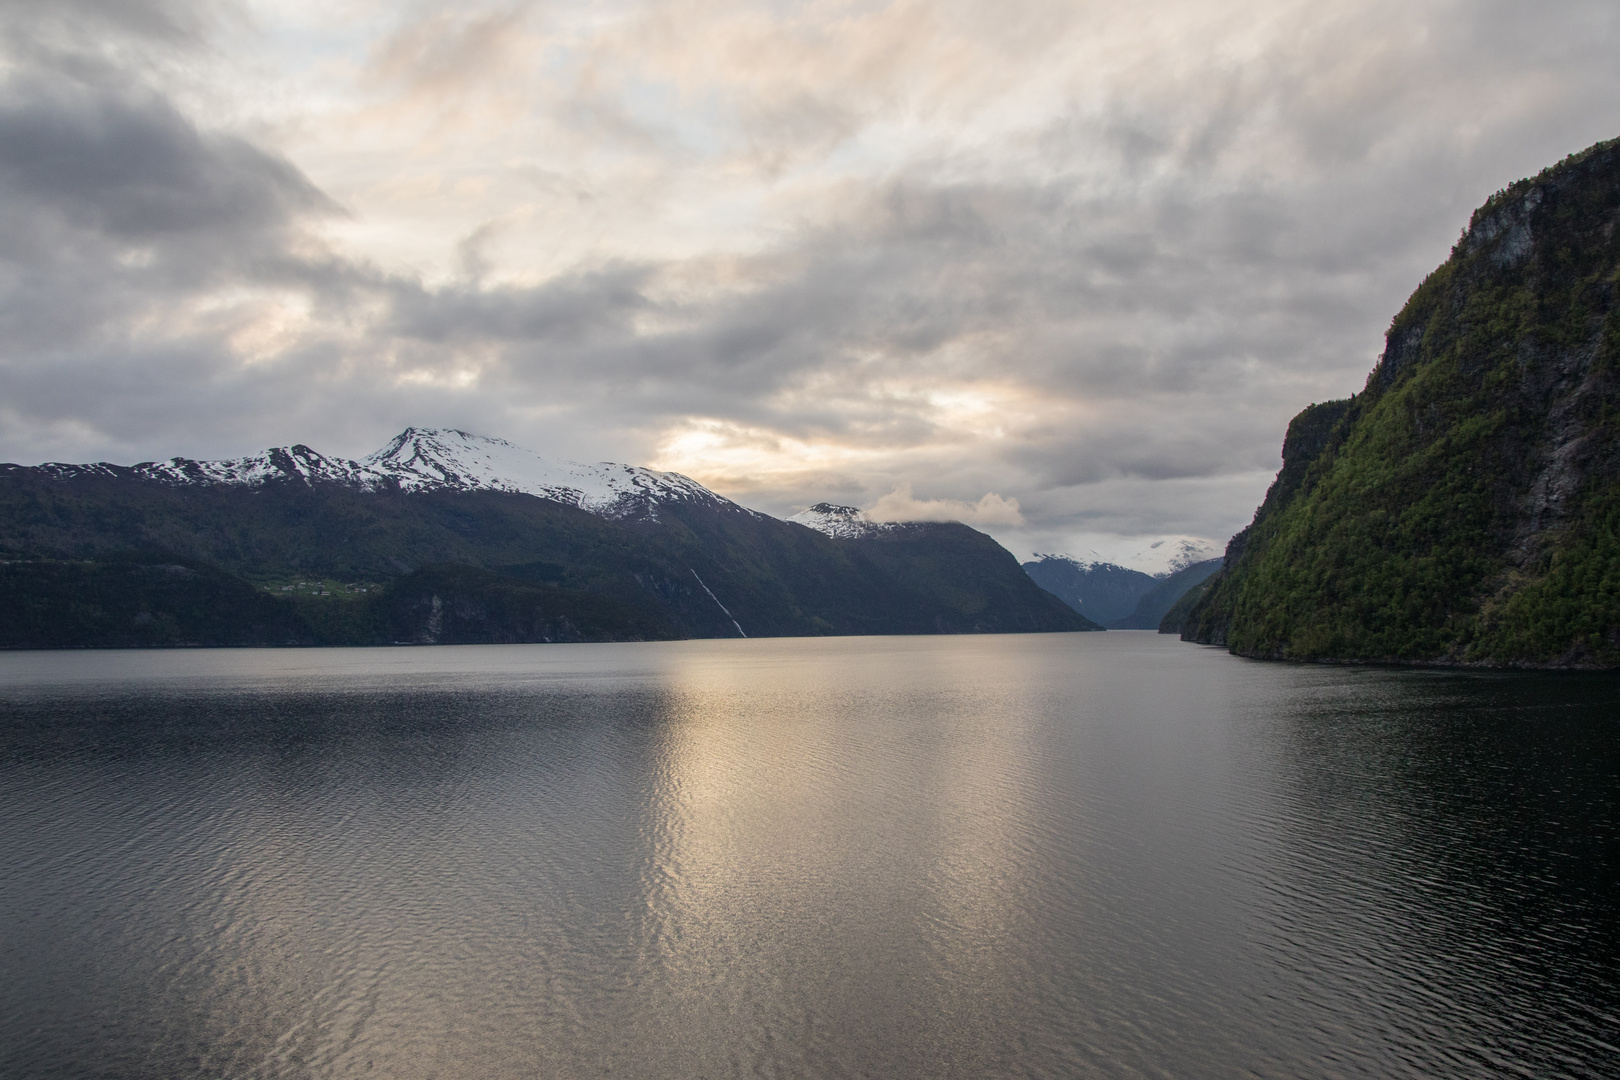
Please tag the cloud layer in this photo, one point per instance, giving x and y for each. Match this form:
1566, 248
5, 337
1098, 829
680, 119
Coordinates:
1062, 270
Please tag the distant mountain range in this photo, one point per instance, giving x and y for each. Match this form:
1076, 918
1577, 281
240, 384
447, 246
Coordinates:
1168, 593
445, 536
1101, 591
1116, 596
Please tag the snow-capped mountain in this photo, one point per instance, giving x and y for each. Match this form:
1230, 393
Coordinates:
1165, 557
1159, 559
840, 522
421, 459
440, 459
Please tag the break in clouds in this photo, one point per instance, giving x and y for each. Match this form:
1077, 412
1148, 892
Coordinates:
1061, 270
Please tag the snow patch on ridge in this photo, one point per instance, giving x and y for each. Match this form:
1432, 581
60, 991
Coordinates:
426, 459
840, 522
1164, 557
444, 459
277, 463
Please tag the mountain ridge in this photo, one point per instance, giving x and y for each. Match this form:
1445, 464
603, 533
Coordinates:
840, 522
426, 459
1464, 507
437, 547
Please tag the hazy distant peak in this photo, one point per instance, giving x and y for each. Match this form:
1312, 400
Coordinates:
1159, 559
1165, 557
1091, 560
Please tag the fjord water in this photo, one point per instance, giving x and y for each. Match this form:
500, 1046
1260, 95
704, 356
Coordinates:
1062, 855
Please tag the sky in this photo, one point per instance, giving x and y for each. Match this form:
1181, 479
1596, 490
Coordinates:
1061, 270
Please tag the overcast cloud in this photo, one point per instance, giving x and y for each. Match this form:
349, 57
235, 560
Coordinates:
1063, 270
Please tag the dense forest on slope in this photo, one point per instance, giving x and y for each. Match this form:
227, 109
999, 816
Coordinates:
114, 559
1465, 506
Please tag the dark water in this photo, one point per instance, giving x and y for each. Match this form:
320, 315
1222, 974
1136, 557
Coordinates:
1057, 856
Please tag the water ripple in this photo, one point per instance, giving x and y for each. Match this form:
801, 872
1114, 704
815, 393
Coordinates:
1047, 856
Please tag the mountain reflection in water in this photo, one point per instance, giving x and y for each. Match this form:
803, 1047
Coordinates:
1052, 855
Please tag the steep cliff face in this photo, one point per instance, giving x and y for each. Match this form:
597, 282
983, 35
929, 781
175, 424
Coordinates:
1465, 506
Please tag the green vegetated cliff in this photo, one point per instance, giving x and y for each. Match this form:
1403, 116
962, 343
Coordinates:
1464, 508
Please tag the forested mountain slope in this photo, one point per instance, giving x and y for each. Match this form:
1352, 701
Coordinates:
295, 548
1465, 506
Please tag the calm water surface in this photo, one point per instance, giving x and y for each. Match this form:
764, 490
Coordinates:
1064, 855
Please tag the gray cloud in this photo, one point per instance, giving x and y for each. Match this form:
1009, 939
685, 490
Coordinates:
1111, 329
84, 28
117, 215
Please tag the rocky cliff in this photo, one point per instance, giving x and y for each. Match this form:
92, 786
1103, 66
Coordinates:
1464, 508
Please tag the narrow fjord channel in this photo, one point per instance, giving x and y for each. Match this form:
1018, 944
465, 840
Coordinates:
1063, 855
